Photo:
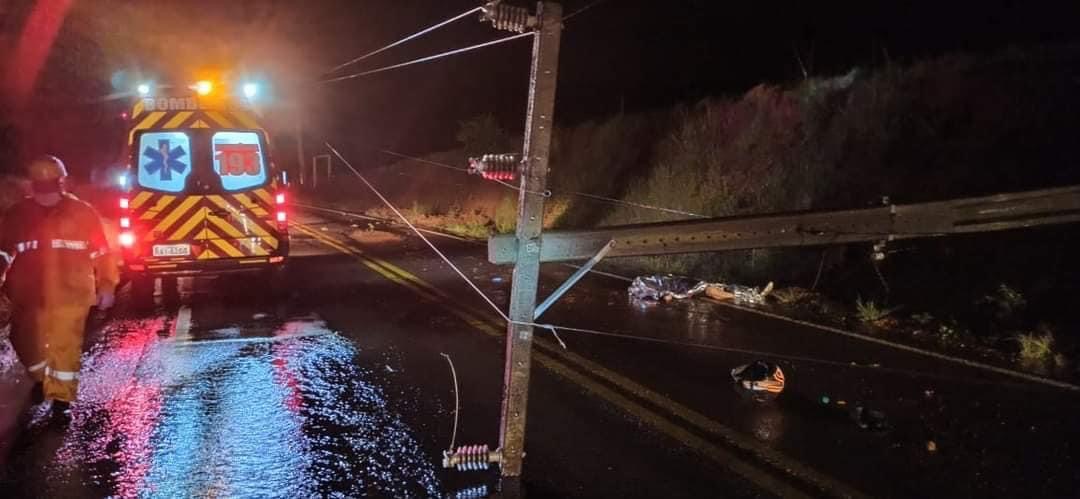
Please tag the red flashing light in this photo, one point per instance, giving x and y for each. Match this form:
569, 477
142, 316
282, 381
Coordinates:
124, 203
127, 239
282, 217
277, 259
280, 198
125, 223
498, 175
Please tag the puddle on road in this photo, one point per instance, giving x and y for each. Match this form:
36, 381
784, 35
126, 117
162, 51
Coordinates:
293, 417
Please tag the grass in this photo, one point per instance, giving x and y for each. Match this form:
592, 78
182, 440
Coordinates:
1037, 350
505, 216
870, 312
472, 230
792, 295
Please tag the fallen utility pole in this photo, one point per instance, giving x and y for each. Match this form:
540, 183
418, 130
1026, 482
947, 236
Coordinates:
891, 222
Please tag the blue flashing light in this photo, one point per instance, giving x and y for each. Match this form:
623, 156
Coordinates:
251, 90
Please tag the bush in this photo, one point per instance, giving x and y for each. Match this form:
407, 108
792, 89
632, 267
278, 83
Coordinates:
1005, 301
1036, 348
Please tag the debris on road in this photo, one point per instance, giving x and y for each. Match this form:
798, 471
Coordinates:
760, 380
869, 419
372, 236
671, 287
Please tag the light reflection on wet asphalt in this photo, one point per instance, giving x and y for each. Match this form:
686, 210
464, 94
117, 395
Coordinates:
293, 417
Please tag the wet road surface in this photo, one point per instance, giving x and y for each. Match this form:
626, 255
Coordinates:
339, 390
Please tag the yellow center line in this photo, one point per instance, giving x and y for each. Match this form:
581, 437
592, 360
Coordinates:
492, 326
369, 264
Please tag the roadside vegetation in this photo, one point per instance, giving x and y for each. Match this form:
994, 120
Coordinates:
951, 126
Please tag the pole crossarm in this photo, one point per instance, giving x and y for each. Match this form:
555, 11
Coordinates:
892, 222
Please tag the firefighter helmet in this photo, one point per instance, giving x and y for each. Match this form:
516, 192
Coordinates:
46, 169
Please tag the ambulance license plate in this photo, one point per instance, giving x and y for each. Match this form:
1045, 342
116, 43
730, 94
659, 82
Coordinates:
172, 250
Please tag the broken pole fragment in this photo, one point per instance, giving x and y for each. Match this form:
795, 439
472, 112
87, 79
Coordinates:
997, 212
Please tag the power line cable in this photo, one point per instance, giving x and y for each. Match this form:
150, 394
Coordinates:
631, 203
403, 40
428, 58
583, 9
425, 161
415, 230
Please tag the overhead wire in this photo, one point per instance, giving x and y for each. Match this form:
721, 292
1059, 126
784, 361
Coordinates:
415, 230
436, 56
429, 58
583, 9
413, 36
637, 205
425, 161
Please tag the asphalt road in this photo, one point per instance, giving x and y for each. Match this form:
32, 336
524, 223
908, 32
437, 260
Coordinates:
339, 389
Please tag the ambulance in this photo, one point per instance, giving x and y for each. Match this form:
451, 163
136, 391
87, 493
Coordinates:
202, 195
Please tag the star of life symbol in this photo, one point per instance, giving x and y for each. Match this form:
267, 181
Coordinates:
165, 159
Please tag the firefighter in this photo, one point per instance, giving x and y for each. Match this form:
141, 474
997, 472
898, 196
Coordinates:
59, 267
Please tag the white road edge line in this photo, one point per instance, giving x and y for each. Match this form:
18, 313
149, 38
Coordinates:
250, 339
181, 329
900, 346
908, 348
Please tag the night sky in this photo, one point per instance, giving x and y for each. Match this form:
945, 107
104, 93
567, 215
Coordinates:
637, 55
621, 55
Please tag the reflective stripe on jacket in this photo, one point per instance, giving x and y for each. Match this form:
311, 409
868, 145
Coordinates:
60, 253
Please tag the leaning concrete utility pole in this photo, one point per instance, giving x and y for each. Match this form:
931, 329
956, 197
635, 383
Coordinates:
530, 222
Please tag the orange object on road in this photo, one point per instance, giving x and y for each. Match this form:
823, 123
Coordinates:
60, 263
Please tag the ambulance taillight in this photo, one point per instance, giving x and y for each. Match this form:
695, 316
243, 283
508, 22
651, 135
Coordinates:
282, 216
127, 237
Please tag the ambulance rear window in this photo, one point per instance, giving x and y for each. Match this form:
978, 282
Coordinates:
164, 160
238, 160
